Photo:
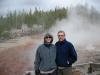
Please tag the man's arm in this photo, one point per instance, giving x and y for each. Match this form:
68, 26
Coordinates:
72, 55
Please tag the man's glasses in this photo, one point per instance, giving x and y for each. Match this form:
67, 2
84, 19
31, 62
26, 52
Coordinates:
60, 35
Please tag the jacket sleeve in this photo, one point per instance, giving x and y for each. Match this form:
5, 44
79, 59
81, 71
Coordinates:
37, 60
72, 55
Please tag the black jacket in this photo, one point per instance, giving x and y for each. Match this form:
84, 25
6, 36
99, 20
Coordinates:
66, 54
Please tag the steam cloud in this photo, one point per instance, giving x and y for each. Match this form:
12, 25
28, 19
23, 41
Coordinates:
80, 28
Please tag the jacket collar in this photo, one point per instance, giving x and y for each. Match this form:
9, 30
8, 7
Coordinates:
62, 42
47, 45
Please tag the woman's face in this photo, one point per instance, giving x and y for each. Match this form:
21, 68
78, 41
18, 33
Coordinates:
48, 39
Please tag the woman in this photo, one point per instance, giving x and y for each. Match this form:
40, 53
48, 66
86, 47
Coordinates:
45, 57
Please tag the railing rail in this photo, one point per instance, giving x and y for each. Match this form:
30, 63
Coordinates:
88, 68
81, 69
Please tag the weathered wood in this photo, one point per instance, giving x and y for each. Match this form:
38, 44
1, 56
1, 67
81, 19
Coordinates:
81, 69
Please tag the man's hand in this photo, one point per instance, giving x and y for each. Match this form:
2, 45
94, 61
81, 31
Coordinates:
37, 72
68, 62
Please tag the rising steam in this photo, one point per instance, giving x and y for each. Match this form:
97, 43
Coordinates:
82, 27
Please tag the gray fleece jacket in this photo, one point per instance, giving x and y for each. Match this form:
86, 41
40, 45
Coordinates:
45, 58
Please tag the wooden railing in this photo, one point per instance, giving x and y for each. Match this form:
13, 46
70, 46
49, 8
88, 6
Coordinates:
87, 68
81, 69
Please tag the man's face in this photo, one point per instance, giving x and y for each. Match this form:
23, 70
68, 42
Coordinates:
61, 36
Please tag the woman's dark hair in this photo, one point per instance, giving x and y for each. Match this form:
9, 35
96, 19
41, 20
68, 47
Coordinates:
48, 35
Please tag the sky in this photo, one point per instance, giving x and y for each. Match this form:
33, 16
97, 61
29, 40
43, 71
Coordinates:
10, 5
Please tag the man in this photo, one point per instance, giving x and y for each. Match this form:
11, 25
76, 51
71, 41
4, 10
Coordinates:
66, 55
45, 57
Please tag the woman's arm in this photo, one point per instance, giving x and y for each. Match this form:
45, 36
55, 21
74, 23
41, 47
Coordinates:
37, 62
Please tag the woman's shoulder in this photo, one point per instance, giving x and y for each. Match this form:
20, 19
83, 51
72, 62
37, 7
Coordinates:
52, 45
41, 45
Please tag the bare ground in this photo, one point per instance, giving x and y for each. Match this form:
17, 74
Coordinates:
17, 57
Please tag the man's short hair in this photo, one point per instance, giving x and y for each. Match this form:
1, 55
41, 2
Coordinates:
61, 31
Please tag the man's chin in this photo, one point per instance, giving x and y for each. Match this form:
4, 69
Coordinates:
60, 40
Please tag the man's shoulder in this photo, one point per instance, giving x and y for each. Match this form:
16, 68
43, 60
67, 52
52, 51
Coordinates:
57, 43
68, 42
